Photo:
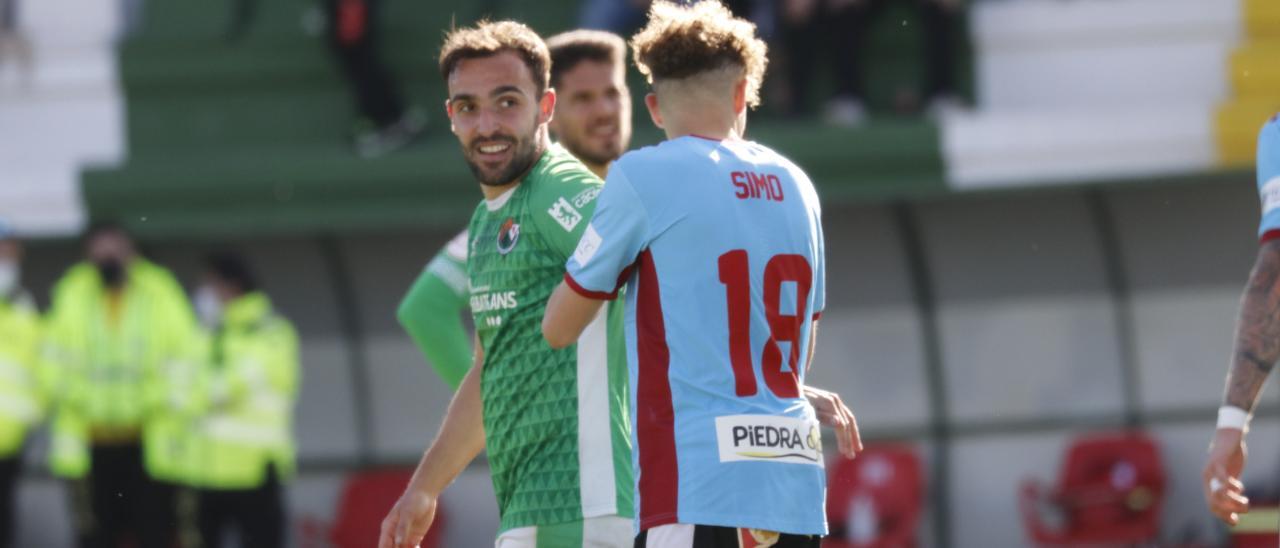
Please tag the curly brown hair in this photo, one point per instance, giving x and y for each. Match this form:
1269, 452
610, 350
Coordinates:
683, 41
575, 46
489, 38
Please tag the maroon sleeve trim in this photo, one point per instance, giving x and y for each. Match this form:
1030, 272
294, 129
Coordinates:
817, 315
1269, 235
596, 295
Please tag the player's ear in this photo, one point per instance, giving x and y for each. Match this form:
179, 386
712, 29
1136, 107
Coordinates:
547, 106
448, 111
651, 101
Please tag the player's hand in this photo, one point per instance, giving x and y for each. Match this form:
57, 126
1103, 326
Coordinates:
408, 521
832, 412
1221, 478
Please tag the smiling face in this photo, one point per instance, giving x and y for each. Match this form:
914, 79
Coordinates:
499, 116
593, 116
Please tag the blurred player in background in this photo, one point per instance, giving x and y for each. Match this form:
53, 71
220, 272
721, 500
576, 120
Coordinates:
245, 448
720, 242
15, 47
20, 398
121, 348
1257, 344
593, 121
553, 421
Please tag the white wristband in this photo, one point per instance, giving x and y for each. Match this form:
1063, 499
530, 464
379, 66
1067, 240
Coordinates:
1230, 416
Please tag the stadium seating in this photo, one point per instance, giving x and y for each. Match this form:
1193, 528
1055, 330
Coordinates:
1110, 491
1255, 83
875, 500
1257, 529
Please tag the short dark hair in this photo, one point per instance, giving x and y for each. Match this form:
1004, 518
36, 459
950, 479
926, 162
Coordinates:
575, 46
487, 39
102, 227
232, 269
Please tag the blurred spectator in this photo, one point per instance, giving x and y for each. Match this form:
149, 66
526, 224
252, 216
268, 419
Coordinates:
131, 16
244, 448
618, 16
625, 16
386, 125
841, 27
14, 46
19, 397
120, 344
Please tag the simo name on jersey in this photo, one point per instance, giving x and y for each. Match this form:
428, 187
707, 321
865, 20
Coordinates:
752, 185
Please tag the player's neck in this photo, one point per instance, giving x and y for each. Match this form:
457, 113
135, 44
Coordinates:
706, 129
492, 192
601, 170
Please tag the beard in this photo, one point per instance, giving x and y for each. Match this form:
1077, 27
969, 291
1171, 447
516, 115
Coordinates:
592, 151
524, 154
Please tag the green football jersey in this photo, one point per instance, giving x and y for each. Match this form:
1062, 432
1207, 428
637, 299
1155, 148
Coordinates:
556, 424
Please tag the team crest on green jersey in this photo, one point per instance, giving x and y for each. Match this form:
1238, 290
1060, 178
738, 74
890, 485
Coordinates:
508, 235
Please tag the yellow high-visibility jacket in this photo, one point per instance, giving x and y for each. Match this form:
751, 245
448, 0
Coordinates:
119, 364
253, 374
21, 400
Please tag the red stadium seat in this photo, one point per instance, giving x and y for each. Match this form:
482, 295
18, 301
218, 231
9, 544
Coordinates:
1110, 491
366, 498
875, 500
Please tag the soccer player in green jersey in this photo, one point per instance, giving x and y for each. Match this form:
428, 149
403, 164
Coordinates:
593, 121
554, 421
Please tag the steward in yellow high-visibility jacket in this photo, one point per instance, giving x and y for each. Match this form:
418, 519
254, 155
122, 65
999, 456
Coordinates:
245, 441
20, 397
120, 357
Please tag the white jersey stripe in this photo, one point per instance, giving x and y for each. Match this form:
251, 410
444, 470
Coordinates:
598, 485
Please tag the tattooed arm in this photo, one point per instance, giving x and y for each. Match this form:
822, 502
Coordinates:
1256, 351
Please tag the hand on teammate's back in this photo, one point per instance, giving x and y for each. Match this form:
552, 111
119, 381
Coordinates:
832, 412
1221, 478
408, 521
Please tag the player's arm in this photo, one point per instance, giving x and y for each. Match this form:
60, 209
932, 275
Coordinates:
1257, 348
461, 438
600, 263
1257, 345
831, 409
431, 313
568, 314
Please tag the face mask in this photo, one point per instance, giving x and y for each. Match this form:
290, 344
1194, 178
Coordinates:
208, 306
8, 277
112, 273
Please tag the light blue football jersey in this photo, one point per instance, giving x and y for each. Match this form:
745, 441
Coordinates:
1269, 177
720, 246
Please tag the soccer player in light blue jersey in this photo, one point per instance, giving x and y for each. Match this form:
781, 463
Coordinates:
719, 241
1257, 344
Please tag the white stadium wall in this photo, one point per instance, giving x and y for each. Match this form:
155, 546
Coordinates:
63, 116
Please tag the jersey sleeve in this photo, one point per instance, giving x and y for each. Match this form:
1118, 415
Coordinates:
561, 210
1269, 179
614, 238
431, 313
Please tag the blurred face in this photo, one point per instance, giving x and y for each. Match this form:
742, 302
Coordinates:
111, 252
110, 246
10, 261
10, 251
496, 112
593, 114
